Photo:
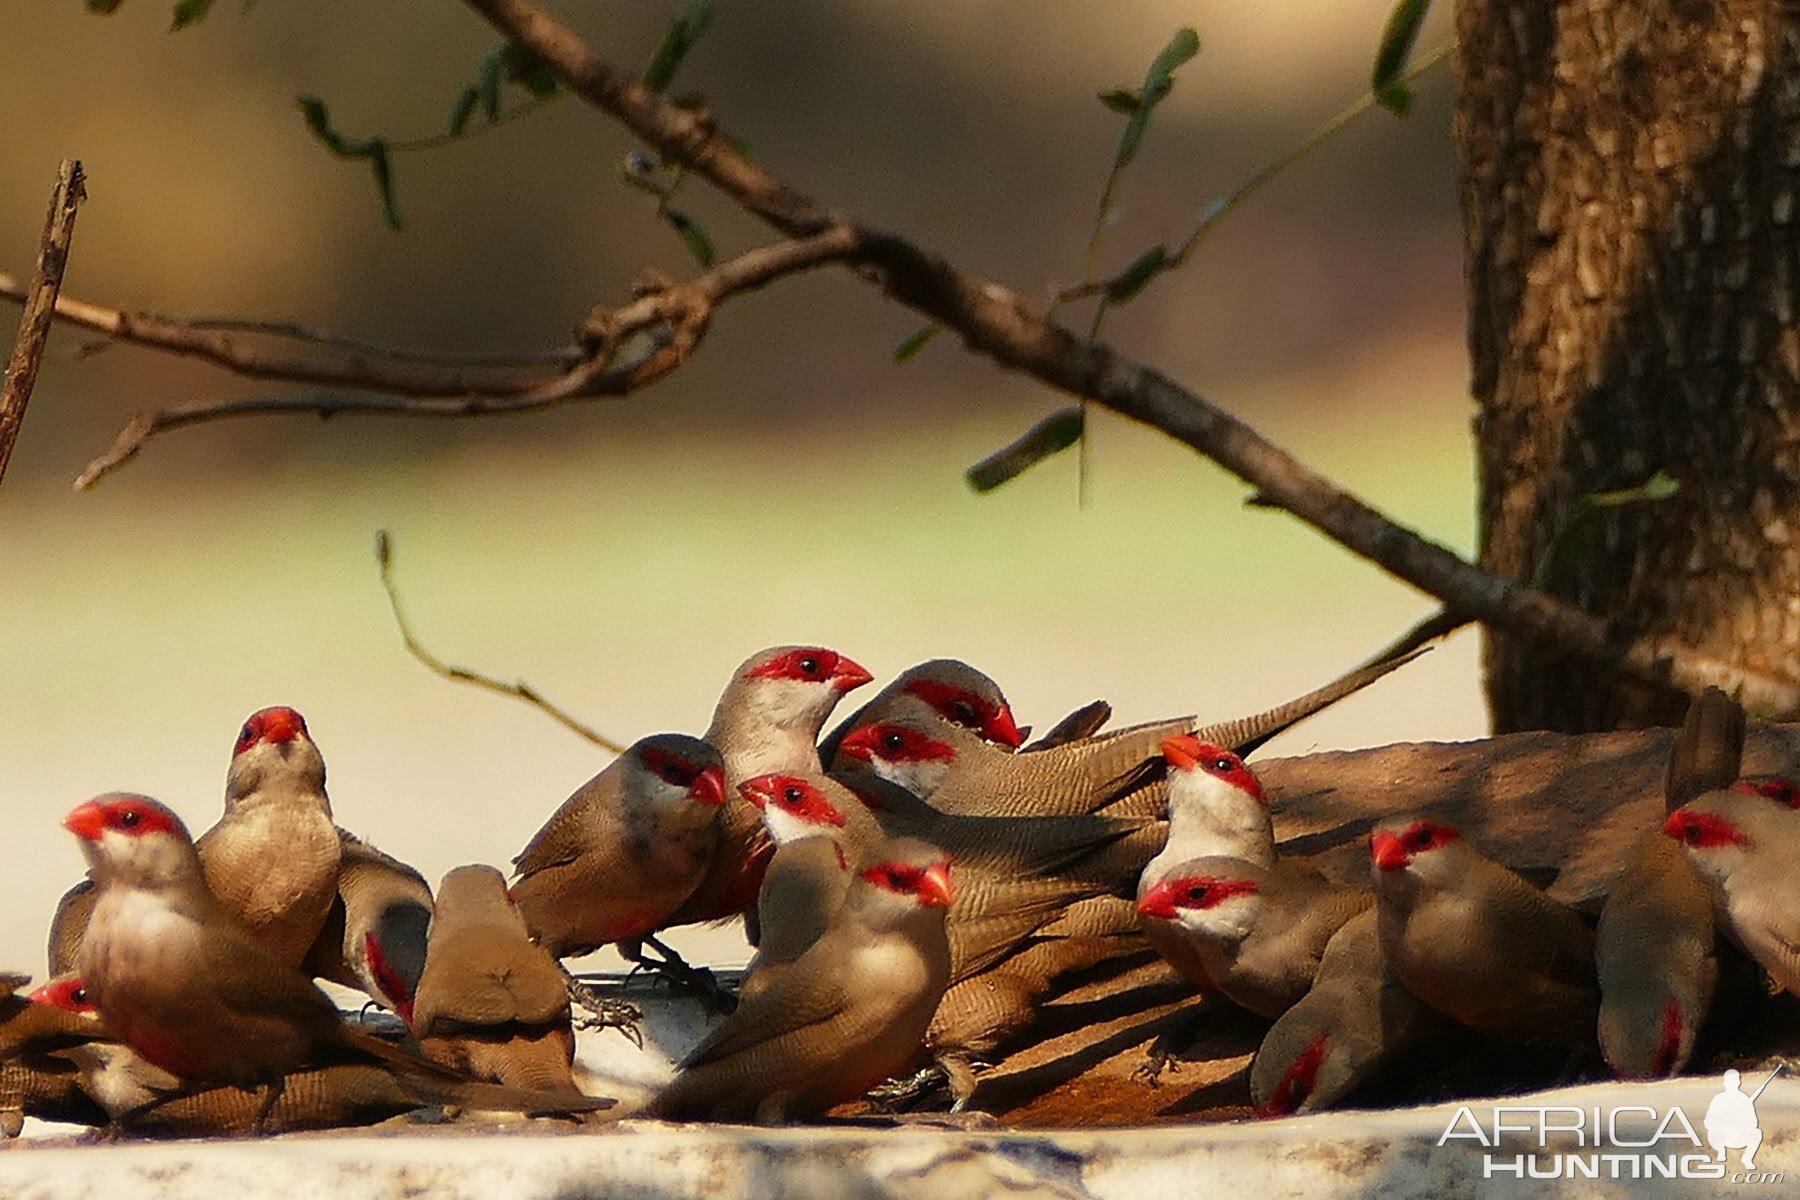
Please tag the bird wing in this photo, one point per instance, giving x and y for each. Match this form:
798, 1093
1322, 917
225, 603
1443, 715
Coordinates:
1084, 722
560, 841
251, 979
811, 991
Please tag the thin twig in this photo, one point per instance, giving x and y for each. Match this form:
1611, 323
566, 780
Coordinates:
40, 304
384, 560
629, 347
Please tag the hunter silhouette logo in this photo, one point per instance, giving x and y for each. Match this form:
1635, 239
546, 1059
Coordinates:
1731, 1119
1626, 1141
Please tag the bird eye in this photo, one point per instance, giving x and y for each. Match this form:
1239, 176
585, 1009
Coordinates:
130, 817
1222, 763
79, 995
964, 713
1197, 893
810, 665
894, 741
1419, 839
792, 795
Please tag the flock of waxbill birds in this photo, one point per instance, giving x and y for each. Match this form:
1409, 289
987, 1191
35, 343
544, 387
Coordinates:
915, 885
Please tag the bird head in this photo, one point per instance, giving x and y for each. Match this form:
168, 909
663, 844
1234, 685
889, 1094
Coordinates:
964, 696
1405, 844
792, 688
903, 752
1195, 765
274, 744
915, 872
686, 768
134, 840
792, 807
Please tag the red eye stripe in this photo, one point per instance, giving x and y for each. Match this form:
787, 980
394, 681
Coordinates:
813, 664
1188, 753
896, 744
1703, 830
1771, 787
69, 994
667, 767
792, 795
132, 816
960, 706
1166, 900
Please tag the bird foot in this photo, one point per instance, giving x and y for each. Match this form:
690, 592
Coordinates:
608, 1012
897, 1095
678, 972
1156, 1061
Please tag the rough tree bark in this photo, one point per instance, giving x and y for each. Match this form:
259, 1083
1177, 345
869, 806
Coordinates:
1629, 187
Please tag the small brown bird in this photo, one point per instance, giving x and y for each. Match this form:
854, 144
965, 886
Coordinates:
1355, 1018
1477, 942
273, 857
767, 722
374, 936
36, 1076
491, 1002
1744, 846
1257, 933
182, 981
842, 1017
1654, 948
123, 1084
626, 850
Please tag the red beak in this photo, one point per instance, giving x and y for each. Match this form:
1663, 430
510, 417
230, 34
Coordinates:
935, 890
1387, 852
709, 786
849, 675
859, 744
87, 821
1182, 751
758, 791
1158, 902
1001, 728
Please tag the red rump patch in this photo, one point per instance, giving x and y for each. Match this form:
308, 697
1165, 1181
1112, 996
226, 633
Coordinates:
1188, 753
388, 979
1703, 830
896, 744
813, 664
1298, 1082
1772, 787
1669, 1049
960, 706
278, 724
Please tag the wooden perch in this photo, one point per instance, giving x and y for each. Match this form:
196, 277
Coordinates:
40, 304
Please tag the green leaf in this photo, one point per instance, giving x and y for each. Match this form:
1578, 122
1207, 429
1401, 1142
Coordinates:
1660, 486
1157, 82
1397, 41
488, 83
189, 12
1121, 100
1055, 433
318, 119
1142, 270
683, 33
384, 183
698, 244
463, 110
529, 71
915, 341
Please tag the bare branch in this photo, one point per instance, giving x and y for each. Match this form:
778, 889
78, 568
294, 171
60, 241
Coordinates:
996, 322
40, 304
384, 561
625, 348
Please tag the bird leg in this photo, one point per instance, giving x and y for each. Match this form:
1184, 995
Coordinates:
901, 1093
609, 1012
272, 1090
671, 966
1164, 1053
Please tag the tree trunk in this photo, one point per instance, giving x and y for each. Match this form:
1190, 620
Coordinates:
1629, 190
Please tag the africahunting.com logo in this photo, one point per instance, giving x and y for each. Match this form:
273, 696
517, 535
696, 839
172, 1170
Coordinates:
1628, 1141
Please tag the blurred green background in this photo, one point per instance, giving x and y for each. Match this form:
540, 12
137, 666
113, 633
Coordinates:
789, 484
